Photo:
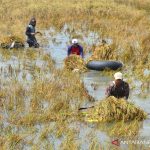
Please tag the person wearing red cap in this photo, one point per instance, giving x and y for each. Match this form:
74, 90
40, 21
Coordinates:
118, 88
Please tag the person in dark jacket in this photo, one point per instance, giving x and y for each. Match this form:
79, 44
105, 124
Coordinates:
75, 48
118, 88
30, 32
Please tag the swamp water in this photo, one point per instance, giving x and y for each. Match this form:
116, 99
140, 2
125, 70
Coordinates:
24, 69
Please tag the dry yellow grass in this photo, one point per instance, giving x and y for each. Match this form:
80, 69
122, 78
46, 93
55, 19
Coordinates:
75, 62
121, 129
103, 52
112, 109
57, 97
126, 22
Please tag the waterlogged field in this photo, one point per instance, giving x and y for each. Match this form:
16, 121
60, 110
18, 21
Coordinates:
39, 99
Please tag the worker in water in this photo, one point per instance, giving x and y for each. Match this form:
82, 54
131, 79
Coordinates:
103, 42
102, 52
118, 88
106, 51
30, 32
75, 48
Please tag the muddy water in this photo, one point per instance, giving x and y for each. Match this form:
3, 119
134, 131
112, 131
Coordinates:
94, 81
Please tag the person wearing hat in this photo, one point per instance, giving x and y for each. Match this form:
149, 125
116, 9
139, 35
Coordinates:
75, 48
30, 32
118, 88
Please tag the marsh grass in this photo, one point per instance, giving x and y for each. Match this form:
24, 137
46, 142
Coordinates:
7, 41
54, 96
121, 129
70, 142
48, 99
108, 19
94, 145
24, 104
112, 109
75, 62
103, 52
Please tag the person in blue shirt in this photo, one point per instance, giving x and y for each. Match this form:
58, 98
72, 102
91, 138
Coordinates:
75, 48
31, 32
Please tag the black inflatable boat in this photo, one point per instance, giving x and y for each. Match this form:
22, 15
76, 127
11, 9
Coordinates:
101, 65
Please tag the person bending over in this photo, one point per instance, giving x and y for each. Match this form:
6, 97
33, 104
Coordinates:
75, 48
118, 88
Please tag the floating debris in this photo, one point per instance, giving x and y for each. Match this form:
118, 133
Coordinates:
112, 109
12, 42
75, 63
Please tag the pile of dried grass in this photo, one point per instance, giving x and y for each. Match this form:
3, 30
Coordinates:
75, 62
112, 109
102, 52
12, 42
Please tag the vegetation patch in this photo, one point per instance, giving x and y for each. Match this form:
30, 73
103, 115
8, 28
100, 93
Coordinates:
112, 109
75, 62
12, 42
103, 52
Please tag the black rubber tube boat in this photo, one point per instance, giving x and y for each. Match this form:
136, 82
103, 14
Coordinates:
102, 65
